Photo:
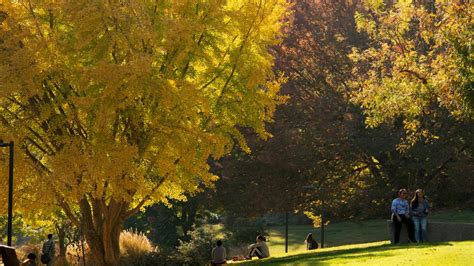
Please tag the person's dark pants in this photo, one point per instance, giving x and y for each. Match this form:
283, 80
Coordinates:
398, 226
256, 252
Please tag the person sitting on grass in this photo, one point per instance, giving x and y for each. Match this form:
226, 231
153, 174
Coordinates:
310, 242
218, 254
401, 214
259, 249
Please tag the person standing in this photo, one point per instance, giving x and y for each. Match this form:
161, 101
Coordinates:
218, 254
48, 251
420, 208
401, 215
310, 242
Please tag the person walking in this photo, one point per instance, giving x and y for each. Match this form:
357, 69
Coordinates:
48, 251
420, 209
401, 215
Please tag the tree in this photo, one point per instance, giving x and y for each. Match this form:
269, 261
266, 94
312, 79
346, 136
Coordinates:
313, 142
320, 138
115, 105
419, 55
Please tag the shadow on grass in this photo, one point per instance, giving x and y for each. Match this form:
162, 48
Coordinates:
320, 257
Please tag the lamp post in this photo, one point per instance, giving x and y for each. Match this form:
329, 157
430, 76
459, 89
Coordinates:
322, 222
286, 232
10, 190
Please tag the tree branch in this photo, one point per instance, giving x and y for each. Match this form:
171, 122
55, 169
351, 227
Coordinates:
417, 75
144, 200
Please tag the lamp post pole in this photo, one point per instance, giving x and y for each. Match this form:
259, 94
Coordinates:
10, 191
322, 222
286, 233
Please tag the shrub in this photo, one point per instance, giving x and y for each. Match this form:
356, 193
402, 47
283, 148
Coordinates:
75, 254
160, 224
23, 251
148, 259
137, 250
246, 235
134, 244
198, 249
242, 233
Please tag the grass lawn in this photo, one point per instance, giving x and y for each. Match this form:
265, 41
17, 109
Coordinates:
381, 253
344, 233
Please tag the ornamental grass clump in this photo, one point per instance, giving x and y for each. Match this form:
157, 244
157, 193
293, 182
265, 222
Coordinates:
135, 244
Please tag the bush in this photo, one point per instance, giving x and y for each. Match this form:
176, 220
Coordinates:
203, 239
246, 235
244, 232
149, 259
198, 249
160, 224
23, 251
134, 244
136, 249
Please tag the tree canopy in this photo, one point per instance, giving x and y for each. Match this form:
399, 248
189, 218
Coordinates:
419, 55
114, 105
322, 147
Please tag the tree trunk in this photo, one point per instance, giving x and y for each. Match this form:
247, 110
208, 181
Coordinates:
62, 243
102, 225
105, 248
189, 210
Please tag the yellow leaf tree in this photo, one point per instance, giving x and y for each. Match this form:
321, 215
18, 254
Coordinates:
114, 105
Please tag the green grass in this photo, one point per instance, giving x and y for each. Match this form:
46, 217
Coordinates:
344, 233
334, 234
453, 216
380, 253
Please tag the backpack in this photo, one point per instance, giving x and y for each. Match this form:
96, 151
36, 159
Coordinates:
313, 244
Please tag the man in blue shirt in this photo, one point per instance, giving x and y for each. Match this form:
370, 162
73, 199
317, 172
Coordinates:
401, 214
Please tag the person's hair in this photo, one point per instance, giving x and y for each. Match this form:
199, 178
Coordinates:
31, 256
50, 236
414, 201
401, 191
260, 237
309, 237
219, 243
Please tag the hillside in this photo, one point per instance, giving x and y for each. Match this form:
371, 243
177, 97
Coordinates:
380, 253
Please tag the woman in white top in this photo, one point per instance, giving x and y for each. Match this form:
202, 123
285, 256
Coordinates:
259, 249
